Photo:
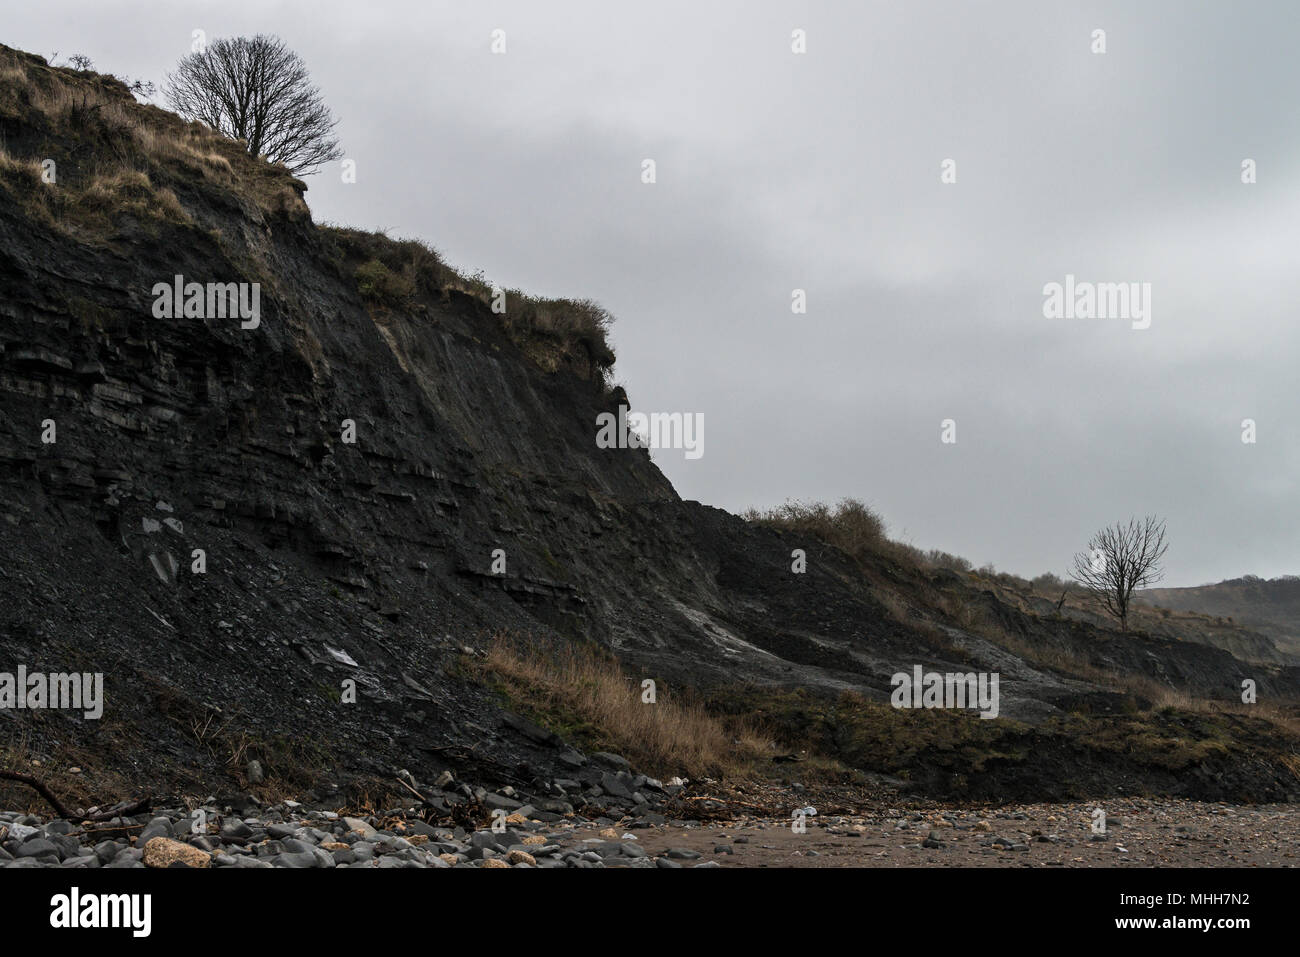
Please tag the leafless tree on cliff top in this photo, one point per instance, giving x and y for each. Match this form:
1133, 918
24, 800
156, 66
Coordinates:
1119, 560
257, 90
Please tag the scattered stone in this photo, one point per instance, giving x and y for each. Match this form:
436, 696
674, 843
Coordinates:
355, 824
164, 852
612, 761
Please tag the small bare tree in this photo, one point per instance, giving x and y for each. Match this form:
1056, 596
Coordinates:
257, 90
79, 61
1119, 560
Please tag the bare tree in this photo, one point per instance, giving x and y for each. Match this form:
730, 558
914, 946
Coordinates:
144, 89
1119, 560
257, 90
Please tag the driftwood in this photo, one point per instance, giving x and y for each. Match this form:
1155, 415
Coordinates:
409, 788
40, 789
125, 809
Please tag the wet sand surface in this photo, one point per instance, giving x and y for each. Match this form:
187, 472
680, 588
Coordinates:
1138, 833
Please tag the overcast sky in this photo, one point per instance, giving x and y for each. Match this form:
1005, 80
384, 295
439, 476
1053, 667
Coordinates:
821, 171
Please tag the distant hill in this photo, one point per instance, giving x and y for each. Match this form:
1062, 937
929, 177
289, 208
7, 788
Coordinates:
1268, 606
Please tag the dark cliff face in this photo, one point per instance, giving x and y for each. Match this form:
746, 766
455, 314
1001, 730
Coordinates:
346, 469
370, 560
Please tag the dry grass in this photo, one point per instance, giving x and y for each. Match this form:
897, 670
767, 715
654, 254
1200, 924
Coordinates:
552, 332
216, 163
191, 148
126, 139
26, 171
109, 197
96, 205
81, 106
584, 694
73, 774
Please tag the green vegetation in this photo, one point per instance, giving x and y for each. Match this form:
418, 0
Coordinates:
378, 283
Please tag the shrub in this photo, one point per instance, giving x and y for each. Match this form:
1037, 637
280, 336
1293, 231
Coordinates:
851, 525
941, 559
378, 283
